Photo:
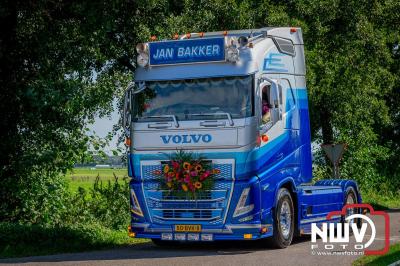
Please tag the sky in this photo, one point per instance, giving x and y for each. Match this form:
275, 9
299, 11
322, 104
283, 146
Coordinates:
102, 126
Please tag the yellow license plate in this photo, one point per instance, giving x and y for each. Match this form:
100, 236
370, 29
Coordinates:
188, 228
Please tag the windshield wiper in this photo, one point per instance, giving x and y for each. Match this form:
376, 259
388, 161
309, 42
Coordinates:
164, 116
228, 115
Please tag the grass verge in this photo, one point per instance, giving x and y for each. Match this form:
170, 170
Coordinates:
392, 256
85, 177
379, 201
18, 240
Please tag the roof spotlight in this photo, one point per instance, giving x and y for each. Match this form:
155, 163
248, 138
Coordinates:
232, 54
243, 41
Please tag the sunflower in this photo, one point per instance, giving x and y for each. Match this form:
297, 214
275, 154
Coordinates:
184, 187
216, 171
186, 166
198, 185
166, 168
198, 167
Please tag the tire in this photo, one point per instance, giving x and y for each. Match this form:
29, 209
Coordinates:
350, 198
283, 220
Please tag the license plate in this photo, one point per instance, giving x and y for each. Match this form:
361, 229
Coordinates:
188, 228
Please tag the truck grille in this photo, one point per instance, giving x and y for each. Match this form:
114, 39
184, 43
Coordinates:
210, 206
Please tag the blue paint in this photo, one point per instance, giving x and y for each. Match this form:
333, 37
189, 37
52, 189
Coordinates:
187, 51
273, 62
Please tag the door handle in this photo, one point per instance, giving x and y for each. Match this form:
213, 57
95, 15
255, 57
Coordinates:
159, 125
212, 124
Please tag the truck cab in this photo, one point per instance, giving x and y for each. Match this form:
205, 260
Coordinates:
239, 100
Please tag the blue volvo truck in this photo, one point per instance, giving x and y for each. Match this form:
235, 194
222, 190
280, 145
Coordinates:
239, 100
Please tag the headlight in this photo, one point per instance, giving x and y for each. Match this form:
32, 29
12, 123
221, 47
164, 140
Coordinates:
232, 54
142, 59
241, 207
135, 207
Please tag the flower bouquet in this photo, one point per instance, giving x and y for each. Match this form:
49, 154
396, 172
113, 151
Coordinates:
186, 174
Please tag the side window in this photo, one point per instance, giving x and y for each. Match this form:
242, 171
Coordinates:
266, 104
271, 104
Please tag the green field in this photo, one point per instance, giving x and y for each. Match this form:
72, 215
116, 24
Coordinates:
85, 177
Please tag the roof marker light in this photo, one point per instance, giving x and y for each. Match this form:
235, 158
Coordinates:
293, 30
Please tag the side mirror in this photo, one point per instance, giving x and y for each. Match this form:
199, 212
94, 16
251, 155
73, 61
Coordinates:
127, 111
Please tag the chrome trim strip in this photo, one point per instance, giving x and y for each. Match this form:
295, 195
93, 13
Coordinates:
199, 200
188, 219
162, 190
177, 209
318, 219
226, 230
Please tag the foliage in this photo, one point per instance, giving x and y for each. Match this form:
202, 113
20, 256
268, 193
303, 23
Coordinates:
392, 256
108, 205
19, 240
79, 222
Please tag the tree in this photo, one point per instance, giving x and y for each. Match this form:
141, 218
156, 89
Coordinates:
63, 62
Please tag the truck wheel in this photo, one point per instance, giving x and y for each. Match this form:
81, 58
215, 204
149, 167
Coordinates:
350, 198
283, 220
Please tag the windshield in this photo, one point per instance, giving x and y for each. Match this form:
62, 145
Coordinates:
189, 99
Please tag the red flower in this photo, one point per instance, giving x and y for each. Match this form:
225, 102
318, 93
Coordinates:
177, 176
193, 173
191, 187
187, 179
175, 165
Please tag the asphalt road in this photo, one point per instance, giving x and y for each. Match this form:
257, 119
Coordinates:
227, 253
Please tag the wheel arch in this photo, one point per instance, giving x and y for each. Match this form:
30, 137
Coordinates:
290, 185
344, 183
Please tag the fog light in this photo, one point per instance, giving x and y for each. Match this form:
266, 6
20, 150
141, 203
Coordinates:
166, 236
247, 236
180, 237
206, 237
193, 237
